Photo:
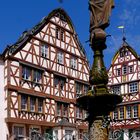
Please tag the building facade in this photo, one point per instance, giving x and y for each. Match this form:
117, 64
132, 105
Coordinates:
43, 73
124, 80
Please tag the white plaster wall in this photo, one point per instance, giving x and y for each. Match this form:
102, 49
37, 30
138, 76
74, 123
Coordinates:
3, 127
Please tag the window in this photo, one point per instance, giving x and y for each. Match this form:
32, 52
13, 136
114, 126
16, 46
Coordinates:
73, 63
58, 109
68, 135
32, 104
116, 90
65, 110
128, 112
79, 113
24, 100
85, 89
130, 69
59, 33
60, 57
40, 105
37, 76
123, 52
44, 51
124, 69
116, 114
26, 73
56, 134
59, 82
118, 72
18, 131
121, 113
62, 35
135, 111
78, 89
62, 109
133, 87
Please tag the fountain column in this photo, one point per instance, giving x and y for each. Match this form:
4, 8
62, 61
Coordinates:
99, 102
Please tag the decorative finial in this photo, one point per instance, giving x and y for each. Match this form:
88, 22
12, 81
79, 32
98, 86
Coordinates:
123, 32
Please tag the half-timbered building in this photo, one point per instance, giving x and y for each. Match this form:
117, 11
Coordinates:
43, 73
124, 80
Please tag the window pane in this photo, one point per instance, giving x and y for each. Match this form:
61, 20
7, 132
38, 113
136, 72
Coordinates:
118, 72
40, 105
37, 76
133, 87
60, 57
128, 111
116, 90
26, 73
121, 113
32, 104
135, 111
44, 51
73, 63
124, 69
78, 89
116, 114
18, 131
23, 102
65, 110
59, 109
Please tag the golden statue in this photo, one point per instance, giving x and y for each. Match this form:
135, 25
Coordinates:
100, 11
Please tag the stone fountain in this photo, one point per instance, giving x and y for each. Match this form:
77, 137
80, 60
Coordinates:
99, 102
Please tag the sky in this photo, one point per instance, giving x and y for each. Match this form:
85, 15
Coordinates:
17, 16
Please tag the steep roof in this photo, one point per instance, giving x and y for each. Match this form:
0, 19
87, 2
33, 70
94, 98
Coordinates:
125, 45
26, 35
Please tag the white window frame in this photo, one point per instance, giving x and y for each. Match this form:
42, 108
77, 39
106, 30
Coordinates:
116, 89
32, 104
44, 51
118, 72
26, 73
124, 69
40, 105
128, 112
79, 89
20, 132
133, 87
121, 113
115, 114
37, 76
135, 111
73, 63
24, 102
79, 113
60, 58
131, 69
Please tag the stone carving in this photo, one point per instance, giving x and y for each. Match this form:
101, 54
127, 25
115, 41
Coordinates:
100, 11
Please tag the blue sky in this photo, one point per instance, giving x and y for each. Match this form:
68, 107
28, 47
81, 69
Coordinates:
17, 16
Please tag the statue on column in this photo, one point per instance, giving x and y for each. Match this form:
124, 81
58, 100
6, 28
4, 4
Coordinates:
100, 11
